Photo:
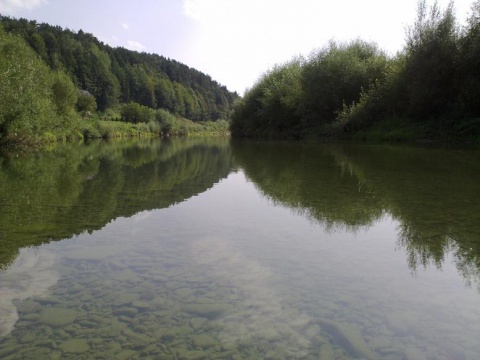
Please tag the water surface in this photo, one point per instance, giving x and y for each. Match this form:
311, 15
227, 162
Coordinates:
202, 249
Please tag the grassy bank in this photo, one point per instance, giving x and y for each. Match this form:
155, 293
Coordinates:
117, 129
113, 129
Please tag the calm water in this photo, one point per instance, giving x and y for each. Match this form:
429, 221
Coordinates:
202, 249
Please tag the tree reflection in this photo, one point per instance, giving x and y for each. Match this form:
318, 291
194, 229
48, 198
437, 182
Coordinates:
55, 194
432, 193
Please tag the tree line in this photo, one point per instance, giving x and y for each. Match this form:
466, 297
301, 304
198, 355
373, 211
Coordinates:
430, 89
65, 72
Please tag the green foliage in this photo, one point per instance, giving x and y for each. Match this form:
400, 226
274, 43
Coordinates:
64, 93
23, 87
166, 121
136, 113
430, 89
114, 75
336, 75
86, 103
33, 99
431, 56
95, 129
432, 85
469, 66
270, 108
293, 98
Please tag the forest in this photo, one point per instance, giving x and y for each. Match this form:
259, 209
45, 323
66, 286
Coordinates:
53, 78
428, 91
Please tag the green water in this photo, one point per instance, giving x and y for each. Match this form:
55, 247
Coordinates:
206, 249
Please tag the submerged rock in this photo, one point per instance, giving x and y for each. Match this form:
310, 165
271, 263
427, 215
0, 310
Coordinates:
197, 322
8, 350
125, 354
191, 355
126, 311
55, 355
57, 317
349, 337
183, 293
326, 352
75, 346
203, 341
28, 306
208, 311
125, 299
141, 305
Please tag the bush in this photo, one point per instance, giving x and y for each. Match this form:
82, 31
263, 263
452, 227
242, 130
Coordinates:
86, 103
336, 75
270, 108
166, 120
33, 99
136, 113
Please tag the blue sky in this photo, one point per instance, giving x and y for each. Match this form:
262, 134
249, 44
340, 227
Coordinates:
234, 41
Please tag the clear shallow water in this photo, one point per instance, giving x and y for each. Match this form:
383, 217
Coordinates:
198, 249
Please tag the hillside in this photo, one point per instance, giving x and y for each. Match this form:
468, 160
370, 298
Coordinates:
118, 75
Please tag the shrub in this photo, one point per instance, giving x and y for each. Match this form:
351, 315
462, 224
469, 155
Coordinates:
86, 103
136, 113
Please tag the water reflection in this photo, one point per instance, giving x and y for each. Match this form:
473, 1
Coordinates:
226, 275
432, 193
56, 194
31, 275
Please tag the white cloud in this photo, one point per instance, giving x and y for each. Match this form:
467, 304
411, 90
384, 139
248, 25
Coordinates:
12, 5
125, 26
135, 45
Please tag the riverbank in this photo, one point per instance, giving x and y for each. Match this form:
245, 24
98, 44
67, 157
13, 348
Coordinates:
109, 129
400, 131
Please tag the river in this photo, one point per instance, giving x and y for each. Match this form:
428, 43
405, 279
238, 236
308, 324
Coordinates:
206, 248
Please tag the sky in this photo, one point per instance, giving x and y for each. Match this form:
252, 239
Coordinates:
233, 41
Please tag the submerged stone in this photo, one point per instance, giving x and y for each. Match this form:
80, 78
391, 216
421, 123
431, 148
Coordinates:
57, 317
28, 306
136, 338
125, 355
349, 337
127, 311
326, 352
197, 322
55, 355
141, 305
8, 350
209, 311
183, 292
203, 341
31, 317
28, 338
125, 299
151, 348
191, 355
380, 342
75, 346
